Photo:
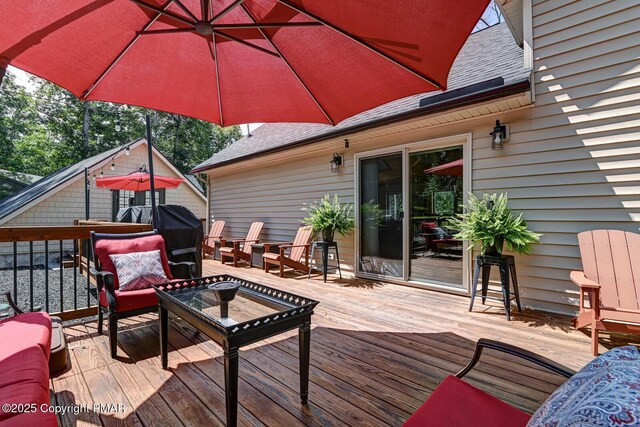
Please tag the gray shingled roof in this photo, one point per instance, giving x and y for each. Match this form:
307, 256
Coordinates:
487, 54
12, 203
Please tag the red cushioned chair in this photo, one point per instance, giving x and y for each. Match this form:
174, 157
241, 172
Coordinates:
121, 304
457, 403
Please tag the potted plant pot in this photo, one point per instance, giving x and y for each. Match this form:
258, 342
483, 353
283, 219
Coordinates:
496, 249
327, 235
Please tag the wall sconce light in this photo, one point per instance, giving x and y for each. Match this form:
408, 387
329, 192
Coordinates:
127, 151
500, 135
346, 143
336, 162
101, 173
113, 166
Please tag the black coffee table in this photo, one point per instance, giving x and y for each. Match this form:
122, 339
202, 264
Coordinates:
256, 312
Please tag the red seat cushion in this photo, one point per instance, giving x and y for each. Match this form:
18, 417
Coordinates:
23, 331
457, 403
106, 247
131, 300
24, 378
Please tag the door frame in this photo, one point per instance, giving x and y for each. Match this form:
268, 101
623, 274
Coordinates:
464, 139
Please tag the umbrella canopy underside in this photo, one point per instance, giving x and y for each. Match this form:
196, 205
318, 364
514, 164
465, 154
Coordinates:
138, 181
235, 61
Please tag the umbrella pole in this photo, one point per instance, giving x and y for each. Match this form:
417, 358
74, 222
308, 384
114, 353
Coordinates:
87, 187
152, 185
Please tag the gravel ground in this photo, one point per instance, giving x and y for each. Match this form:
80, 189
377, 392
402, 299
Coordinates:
39, 293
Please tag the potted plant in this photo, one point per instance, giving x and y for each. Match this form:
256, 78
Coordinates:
490, 222
329, 216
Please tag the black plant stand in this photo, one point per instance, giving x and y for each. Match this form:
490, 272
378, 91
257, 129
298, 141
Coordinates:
325, 246
507, 265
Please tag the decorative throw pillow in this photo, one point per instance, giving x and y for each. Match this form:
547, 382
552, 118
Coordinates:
606, 392
139, 270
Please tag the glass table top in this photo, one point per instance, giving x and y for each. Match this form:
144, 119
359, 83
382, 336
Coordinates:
245, 306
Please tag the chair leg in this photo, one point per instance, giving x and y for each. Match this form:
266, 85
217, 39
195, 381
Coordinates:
100, 319
594, 340
281, 269
235, 260
267, 266
113, 335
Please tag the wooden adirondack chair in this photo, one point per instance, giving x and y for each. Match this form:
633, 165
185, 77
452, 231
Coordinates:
297, 248
215, 234
610, 280
241, 249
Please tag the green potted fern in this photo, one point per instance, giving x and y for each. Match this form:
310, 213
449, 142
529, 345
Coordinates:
490, 222
329, 216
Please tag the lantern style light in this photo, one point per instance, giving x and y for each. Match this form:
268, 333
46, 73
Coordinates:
336, 162
500, 135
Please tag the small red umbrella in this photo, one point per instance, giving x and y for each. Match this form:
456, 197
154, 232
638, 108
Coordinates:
451, 169
240, 61
137, 181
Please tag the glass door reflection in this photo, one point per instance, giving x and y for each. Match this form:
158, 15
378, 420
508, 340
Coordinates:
435, 196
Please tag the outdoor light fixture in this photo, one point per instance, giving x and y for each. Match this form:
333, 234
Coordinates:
118, 125
94, 176
346, 143
127, 151
101, 173
336, 162
113, 166
500, 135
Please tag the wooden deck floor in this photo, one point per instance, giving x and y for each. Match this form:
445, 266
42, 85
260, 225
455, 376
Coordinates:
378, 351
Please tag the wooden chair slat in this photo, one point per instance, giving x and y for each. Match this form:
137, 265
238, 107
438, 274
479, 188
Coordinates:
253, 234
302, 237
623, 272
633, 243
216, 228
606, 272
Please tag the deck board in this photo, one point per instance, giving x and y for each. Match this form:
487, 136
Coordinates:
378, 350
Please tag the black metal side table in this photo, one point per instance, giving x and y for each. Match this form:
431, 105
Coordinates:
507, 265
325, 246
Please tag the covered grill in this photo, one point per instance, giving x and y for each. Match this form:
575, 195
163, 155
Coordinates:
181, 229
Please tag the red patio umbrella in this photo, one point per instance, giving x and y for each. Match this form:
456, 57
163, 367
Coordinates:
137, 181
454, 168
240, 61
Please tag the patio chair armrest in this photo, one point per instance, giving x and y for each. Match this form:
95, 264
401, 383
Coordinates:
12, 304
581, 280
274, 245
514, 351
296, 246
184, 270
104, 279
206, 239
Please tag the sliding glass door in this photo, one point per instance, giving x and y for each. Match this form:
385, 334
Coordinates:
406, 200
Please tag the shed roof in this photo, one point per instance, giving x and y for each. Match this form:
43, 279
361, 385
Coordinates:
488, 54
38, 189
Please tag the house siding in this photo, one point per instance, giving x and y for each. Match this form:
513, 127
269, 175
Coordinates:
572, 163
64, 206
